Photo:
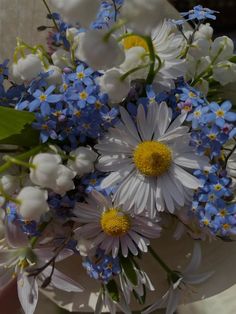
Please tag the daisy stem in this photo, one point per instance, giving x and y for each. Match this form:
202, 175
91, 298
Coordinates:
18, 162
50, 13
152, 55
125, 75
160, 261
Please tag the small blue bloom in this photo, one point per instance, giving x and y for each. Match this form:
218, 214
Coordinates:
43, 100
220, 114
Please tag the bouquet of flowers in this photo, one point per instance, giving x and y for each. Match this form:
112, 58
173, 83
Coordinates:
117, 133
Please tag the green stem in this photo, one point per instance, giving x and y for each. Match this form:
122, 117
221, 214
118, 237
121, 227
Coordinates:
22, 157
125, 75
160, 261
8, 197
18, 162
113, 29
50, 13
152, 55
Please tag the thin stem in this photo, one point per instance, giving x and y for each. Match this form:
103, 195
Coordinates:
42, 227
18, 162
152, 55
50, 13
125, 75
22, 157
160, 261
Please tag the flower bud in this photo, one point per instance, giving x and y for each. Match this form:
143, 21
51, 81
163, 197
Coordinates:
101, 53
33, 203
27, 68
9, 183
83, 162
50, 173
61, 58
112, 84
225, 72
55, 75
222, 49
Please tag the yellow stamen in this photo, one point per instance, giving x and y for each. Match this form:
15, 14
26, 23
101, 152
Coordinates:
134, 41
152, 158
115, 223
43, 97
83, 95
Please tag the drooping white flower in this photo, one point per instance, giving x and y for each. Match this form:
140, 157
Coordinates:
107, 54
112, 84
225, 72
33, 203
187, 279
231, 165
222, 49
142, 16
205, 31
61, 58
27, 68
112, 228
55, 75
82, 11
50, 173
148, 161
9, 183
83, 160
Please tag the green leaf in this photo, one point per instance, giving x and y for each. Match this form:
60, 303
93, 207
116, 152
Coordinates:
27, 138
233, 59
13, 121
128, 268
113, 290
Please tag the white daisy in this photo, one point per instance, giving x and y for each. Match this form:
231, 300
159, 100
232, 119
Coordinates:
168, 46
112, 228
148, 161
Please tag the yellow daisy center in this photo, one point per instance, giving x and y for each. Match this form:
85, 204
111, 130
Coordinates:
152, 158
115, 223
134, 41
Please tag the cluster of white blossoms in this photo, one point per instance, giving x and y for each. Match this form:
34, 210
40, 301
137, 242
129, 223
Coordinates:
108, 142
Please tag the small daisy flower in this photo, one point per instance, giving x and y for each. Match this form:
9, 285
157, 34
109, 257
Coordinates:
148, 161
112, 228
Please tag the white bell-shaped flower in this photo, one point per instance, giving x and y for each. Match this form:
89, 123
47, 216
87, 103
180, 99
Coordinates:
27, 68
33, 203
9, 183
225, 72
142, 16
61, 58
82, 11
222, 49
101, 53
83, 160
112, 84
205, 32
55, 75
50, 173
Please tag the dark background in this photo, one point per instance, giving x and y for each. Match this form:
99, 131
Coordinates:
225, 23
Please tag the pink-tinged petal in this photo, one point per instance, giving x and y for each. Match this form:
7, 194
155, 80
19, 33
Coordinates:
101, 199
124, 248
159, 304
27, 288
61, 281
99, 304
116, 246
